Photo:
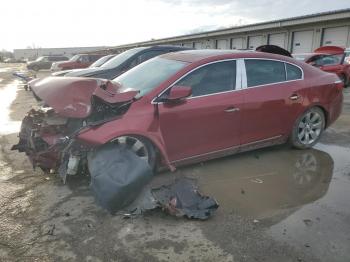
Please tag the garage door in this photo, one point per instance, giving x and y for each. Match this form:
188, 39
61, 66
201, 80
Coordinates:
302, 41
254, 41
198, 45
237, 43
190, 45
335, 36
278, 39
222, 44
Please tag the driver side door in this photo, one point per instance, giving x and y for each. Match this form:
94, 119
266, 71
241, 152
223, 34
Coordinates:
209, 120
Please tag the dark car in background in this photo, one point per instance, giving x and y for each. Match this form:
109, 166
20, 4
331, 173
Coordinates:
45, 62
125, 61
77, 61
97, 63
332, 59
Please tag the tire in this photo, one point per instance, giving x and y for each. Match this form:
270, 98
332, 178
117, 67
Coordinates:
141, 147
36, 68
308, 128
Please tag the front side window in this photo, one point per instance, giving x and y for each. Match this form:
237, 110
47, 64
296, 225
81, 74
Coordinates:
293, 72
263, 72
148, 75
211, 79
122, 57
84, 59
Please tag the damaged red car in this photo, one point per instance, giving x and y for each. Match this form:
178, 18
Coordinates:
181, 108
332, 59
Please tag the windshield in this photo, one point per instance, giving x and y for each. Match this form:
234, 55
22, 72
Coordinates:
121, 58
39, 58
74, 58
148, 75
100, 61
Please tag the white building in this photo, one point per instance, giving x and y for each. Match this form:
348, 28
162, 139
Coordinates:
32, 54
298, 34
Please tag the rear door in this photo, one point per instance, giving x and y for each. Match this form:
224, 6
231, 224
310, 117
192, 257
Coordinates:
210, 119
272, 99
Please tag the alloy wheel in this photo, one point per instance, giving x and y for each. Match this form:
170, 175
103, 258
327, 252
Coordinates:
135, 145
310, 127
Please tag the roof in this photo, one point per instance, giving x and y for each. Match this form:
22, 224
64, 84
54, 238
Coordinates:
192, 56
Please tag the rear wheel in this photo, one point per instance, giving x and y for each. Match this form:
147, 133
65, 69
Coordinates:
308, 128
140, 146
35, 68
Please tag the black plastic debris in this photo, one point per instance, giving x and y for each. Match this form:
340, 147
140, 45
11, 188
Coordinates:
181, 199
117, 176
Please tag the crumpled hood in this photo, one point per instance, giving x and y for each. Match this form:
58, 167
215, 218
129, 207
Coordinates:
86, 71
72, 96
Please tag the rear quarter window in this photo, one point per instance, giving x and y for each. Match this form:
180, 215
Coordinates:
293, 72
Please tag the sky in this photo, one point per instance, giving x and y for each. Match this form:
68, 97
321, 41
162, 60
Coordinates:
71, 23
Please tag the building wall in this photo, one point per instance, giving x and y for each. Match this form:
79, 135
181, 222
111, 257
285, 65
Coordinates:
32, 54
239, 36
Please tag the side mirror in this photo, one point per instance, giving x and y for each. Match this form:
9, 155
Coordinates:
178, 93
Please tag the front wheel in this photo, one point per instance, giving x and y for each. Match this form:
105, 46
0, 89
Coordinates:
308, 128
141, 147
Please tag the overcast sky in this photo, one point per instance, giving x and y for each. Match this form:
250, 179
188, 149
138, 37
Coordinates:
65, 23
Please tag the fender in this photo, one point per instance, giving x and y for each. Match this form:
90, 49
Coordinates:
109, 131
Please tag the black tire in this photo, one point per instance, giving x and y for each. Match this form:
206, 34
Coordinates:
296, 138
36, 68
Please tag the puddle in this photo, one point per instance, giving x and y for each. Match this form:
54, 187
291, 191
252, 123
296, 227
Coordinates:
264, 183
7, 96
323, 226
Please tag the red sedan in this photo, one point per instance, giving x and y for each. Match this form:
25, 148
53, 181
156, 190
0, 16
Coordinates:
332, 59
183, 107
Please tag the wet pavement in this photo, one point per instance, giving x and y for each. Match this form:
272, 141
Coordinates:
276, 204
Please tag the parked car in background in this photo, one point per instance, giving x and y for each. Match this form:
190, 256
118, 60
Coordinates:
97, 63
125, 61
44, 62
331, 59
77, 61
181, 108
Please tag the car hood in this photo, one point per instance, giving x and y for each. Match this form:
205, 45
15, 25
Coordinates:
72, 96
87, 71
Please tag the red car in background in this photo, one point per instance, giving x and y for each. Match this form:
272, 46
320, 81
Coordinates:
331, 59
182, 107
76, 62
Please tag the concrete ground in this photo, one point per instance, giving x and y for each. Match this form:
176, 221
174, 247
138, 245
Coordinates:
276, 204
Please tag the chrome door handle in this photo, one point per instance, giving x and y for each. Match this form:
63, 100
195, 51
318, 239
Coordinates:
231, 109
294, 97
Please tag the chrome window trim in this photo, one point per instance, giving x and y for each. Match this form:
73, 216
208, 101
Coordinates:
238, 80
245, 86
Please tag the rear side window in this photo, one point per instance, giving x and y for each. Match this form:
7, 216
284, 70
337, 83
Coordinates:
293, 72
262, 72
211, 79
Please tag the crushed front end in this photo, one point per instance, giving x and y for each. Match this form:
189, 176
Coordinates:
48, 133
48, 141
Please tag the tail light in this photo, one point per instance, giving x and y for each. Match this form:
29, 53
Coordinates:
339, 85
